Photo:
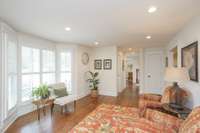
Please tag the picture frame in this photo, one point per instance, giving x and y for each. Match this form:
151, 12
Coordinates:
107, 64
189, 60
174, 56
98, 64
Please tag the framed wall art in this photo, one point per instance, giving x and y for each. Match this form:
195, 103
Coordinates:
107, 64
98, 64
190, 60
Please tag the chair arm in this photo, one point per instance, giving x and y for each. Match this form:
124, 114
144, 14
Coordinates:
144, 104
163, 119
151, 97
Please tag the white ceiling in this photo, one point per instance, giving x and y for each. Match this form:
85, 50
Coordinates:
110, 22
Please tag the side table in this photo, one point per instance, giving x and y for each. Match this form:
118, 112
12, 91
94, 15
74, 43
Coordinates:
42, 103
180, 111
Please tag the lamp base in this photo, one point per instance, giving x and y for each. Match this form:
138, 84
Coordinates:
177, 95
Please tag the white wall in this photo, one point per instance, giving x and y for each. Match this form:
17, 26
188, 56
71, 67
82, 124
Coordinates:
1, 106
186, 36
108, 78
82, 84
141, 62
121, 82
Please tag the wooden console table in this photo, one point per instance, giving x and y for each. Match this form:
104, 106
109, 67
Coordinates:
42, 103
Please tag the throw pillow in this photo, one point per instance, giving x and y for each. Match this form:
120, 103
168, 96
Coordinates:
61, 92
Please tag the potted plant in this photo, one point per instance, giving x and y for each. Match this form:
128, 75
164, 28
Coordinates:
41, 92
93, 83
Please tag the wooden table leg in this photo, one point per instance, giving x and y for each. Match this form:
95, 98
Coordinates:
38, 112
62, 109
74, 105
52, 106
44, 110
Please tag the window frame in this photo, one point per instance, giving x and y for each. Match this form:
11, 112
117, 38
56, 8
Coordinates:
41, 65
9, 34
57, 49
40, 73
65, 49
27, 73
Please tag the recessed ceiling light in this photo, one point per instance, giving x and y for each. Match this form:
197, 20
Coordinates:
96, 43
67, 28
152, 9
148, 37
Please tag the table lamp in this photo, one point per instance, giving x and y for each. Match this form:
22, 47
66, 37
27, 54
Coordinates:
176, 75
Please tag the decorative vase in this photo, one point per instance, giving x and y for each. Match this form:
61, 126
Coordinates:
94, 93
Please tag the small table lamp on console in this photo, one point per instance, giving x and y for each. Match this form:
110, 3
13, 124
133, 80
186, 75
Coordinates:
176, 75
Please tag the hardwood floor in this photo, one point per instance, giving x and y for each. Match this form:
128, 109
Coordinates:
62, 123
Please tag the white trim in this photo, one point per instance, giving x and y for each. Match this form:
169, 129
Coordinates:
107, 92
83, 94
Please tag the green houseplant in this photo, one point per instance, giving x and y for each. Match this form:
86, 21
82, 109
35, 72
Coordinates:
93, 83
41, 92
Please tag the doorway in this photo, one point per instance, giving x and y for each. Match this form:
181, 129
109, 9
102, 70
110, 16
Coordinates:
132, 69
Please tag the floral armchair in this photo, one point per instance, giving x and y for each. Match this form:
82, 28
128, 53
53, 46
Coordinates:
190, 125
155, 100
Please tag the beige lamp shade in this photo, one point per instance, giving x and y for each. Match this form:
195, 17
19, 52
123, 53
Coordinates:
176, 74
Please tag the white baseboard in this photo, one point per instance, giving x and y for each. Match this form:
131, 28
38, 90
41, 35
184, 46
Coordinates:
1, 128
9, 121
83, 94
108, 92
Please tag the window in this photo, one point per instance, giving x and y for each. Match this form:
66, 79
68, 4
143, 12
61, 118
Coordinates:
12, 73
34, 73
30, 71
48, 59
65, 69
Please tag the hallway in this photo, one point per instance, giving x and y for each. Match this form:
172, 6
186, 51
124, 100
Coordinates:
129, 96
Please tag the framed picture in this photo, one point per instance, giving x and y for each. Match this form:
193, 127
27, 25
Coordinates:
174, 55
107, 64
98, 64
190, 60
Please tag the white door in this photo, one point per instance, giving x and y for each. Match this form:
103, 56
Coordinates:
154, 67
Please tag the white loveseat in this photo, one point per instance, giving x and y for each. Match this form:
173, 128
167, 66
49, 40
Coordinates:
61, 101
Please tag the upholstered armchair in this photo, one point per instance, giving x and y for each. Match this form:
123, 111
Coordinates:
190, 125
155, 101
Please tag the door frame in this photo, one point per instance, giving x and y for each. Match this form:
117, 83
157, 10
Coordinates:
147, 53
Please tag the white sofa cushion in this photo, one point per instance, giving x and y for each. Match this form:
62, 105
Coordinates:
64, 100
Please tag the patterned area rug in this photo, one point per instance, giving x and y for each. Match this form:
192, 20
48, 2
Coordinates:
116, 119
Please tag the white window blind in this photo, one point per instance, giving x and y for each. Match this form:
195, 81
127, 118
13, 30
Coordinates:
48, 70
12, 71
66, 69
30, 71
34, 73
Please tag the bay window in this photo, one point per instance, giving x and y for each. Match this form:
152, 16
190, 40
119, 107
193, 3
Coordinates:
24, 66
38, 67
66, 69
11, 71
30, 71
48, 67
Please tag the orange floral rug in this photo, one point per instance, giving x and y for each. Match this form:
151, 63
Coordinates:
117, 119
